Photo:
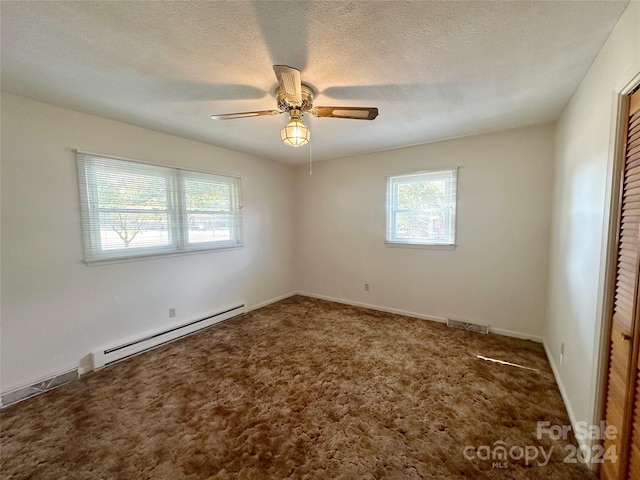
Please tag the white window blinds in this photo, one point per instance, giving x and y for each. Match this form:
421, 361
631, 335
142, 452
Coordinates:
421, 208
132, 209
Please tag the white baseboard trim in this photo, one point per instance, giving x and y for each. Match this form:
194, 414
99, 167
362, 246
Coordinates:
511, 333
375, 307
422, 316
584, 442
270, 301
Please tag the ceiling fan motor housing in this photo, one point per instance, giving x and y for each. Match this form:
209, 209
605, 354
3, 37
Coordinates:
305, 105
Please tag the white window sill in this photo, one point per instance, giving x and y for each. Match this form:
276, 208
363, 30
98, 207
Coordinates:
156, 256
424, 246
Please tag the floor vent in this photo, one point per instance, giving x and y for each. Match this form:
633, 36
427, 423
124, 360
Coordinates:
473, 327
126, 349
23, 393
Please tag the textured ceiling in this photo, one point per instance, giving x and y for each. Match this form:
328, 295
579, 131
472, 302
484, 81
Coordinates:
434, 69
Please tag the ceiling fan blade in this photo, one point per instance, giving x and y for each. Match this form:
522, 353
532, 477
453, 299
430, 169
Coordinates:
290, 84
231, 116
356, 113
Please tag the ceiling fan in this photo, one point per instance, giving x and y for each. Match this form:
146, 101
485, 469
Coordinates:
296, 98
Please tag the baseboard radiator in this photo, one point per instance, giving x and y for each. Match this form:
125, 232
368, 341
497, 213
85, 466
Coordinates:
106, 356
473, 327
22, 393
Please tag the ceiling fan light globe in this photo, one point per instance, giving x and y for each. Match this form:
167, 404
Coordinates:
295, 133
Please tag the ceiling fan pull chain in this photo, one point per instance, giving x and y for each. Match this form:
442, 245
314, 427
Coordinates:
310, 164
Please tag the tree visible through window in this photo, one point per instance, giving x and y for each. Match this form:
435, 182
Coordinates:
130, 205
132, 209
421, 208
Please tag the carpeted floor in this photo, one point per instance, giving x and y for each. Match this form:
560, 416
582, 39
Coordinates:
301, 389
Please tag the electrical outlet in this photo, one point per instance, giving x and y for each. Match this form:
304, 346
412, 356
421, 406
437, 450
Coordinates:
172, 312
561, 352
366, 287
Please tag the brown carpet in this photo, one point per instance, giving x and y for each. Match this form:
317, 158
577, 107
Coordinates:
300, 389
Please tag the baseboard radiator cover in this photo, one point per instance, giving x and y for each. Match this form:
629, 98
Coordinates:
106, 356
472, 327
22, 393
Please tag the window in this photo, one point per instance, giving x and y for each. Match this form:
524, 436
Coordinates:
421, 208
132, 209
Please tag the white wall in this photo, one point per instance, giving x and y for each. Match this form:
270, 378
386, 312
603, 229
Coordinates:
55, 310
583, 162
498, 272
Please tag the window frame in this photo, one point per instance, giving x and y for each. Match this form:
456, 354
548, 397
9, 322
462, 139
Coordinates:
392, 208
234, 206
88, 166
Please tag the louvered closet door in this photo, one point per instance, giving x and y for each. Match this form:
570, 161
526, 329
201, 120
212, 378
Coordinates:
621, 381
634, 463
633, 158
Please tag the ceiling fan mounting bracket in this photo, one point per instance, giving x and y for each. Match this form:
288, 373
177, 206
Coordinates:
305, 105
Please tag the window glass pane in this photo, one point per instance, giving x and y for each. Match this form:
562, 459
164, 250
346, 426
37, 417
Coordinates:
133, 230
203, 196
422, 226
209, 227
421, 195
124, 190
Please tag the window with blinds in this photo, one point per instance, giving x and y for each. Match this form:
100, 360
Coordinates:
132, 209
421, 208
